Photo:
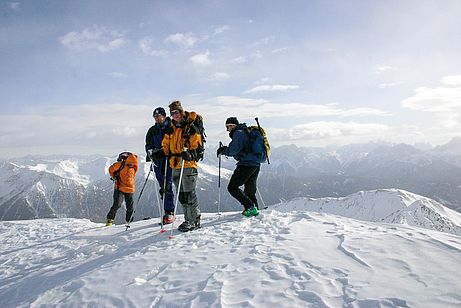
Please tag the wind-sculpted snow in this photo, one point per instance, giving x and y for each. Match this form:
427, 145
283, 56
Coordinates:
281, 258
385, 205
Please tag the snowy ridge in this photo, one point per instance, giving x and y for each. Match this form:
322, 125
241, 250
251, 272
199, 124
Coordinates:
290, 259
385, 205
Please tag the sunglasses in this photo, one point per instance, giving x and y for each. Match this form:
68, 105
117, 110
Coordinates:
174, 112
228, 126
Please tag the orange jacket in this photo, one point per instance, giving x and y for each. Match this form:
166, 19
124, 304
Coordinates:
176, 142
125, 179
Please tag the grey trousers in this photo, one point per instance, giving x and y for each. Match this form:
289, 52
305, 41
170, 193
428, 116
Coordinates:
187, 195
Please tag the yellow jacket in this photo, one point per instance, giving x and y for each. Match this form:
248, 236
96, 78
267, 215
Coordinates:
180, 138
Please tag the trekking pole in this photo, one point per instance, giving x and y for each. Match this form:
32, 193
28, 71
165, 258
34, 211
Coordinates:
164, 192
177, 196
265, 150
219, 180
261, 197
140, 194
158, 203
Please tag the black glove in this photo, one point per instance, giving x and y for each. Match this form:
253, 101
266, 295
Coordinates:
220, 150
187, 156
157, 154
161, 193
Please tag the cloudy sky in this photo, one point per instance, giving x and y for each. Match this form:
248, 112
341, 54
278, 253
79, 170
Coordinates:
82, 77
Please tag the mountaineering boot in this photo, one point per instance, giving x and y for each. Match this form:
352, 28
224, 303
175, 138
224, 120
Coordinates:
184, 227
168, 218
109, 222
189, 226
252, 211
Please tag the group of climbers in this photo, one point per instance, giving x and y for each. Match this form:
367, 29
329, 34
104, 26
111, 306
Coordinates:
174, 145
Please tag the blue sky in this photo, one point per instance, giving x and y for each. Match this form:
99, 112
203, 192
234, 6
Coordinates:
82, 77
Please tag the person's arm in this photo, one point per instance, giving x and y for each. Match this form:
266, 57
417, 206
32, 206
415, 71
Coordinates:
112, 170
237, 144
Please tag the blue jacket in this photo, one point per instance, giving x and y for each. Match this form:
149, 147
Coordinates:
155, 136
240, 147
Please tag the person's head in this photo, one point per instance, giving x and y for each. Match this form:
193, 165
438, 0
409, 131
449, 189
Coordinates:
176, 111
159, 115
231, 124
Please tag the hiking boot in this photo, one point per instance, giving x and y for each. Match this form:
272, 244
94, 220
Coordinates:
185, 226
168, 219
188, 226
252, 211
109, 222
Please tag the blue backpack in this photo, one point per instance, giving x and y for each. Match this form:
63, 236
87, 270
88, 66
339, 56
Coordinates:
259, 143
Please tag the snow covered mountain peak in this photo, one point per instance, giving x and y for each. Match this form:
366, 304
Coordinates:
385, 205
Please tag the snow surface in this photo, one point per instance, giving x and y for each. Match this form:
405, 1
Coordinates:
283, 257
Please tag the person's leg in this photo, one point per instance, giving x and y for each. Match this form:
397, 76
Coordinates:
251, 185
116, 205
240, 177
169, 195
129, 207
189, 200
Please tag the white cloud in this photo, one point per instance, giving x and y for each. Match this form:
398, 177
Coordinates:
452, 80
272, 88
186, 40
263, 80
238, 60
332, 129
441, 99
219, 76
279, 50
81, 128
15, 6
118, 75
264, 41
388, 85
96, 37
217, 108
381, 68
201, 58
221, 29
148, 47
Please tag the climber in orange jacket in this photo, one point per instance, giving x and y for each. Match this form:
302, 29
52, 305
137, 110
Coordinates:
123, 174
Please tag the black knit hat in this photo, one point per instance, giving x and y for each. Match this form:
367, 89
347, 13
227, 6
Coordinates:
232, 120
159, 110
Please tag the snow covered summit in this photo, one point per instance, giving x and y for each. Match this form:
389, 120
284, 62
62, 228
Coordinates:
385, 205
283, 258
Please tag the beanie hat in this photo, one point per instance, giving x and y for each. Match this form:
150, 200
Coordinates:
159, 110
176, 105
232, 120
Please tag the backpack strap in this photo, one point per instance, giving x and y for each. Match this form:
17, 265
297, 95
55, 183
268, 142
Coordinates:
117, 174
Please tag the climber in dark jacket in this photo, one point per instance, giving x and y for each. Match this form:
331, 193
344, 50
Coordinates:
247, 169
154, 140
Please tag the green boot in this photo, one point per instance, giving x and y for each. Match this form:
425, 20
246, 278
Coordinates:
109, 222
253, 211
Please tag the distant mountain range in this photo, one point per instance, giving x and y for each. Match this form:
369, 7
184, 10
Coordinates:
69, 186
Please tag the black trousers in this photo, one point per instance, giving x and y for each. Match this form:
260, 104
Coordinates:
118, 199
244, 175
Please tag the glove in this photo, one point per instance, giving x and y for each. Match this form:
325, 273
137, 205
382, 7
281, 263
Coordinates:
157, 154
220, 150
187, 156
161, 193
